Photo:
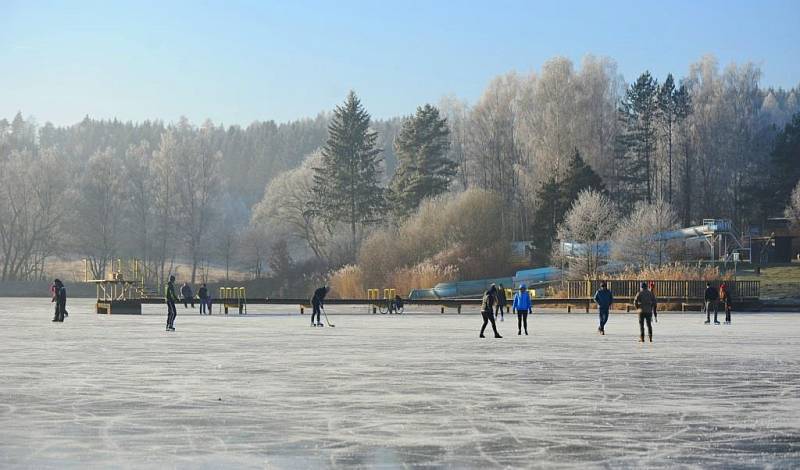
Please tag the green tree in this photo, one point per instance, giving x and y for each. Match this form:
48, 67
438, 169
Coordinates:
786, 164
555, 198
638, 139
423, 168
346, 185
674, 105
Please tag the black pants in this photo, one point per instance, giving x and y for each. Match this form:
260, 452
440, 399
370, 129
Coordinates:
522, 320
315, 310
603, 318
645, 317
172, 312
501, 310
61, 308
188, 301
709, 305
489, 317
728, 312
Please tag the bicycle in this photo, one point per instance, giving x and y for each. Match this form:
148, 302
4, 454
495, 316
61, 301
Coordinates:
391, 306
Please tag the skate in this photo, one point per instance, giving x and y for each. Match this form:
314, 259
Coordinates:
526, 332
602, 332
497, 335
320, 324
519, 333
716, 322
651, 339
707, 322
481, 336
641, 339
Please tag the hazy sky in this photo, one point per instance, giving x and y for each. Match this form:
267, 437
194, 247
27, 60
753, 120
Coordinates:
236, 62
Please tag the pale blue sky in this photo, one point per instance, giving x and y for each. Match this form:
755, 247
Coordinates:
238, 61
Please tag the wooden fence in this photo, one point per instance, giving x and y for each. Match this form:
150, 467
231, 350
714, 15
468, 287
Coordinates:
685, 290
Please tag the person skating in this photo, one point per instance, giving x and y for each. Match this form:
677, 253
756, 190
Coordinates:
727, 304
710, 301
645, 301
603, 298
317, 301
522, 306
60, 299
202, 294
170, 298
186, 293
487, 310
501, 303
655, 310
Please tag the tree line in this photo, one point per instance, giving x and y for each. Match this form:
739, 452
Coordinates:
302, 197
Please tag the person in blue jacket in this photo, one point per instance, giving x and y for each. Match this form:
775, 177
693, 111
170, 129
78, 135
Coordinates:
522, 305
603, 298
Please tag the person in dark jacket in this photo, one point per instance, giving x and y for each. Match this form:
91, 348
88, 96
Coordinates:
522, 305
501, 303
186, 293
709, 302
603, 298
60, 299
317, 303
645, 302
487, 310
170, 298
202, 294
727, 302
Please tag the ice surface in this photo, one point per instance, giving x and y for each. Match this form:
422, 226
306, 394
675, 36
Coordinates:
268, 391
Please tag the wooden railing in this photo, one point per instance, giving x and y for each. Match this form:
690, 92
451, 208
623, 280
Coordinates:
687, 290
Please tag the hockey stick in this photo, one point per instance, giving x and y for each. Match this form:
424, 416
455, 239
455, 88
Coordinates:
326, 318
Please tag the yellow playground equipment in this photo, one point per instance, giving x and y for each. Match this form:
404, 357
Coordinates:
233, 297
386, 304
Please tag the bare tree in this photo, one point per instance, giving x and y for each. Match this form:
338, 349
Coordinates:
792, 211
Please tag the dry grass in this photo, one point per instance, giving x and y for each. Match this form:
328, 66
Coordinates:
421, 276
671, 272
347, 283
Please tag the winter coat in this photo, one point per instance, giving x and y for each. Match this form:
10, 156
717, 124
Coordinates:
169, 292
186, 291
604, 298
60, 294
645, 301
203, 293
501, 297
488, 301
319, 296
711, 294
522, 301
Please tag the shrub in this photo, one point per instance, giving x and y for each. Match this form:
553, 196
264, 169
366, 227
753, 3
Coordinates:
347, 283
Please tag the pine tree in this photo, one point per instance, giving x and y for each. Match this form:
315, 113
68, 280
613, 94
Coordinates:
637, 141
555, 199
674, 106
423, 168
785, 164
346, 185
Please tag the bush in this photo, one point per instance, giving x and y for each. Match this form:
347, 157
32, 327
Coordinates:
456, 233
421, 276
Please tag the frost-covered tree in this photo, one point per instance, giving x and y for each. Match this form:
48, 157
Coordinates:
792, 211
588, 227
639, 241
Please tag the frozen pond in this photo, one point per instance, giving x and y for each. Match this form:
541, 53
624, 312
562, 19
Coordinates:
268, 391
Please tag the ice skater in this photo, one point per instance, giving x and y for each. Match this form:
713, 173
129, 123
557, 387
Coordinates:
317, 303
603, 298
60, 299
205, 300
186, 293
727, 304
501, 303
487, 310
709, 302
522, 306
170, 298
645, 301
